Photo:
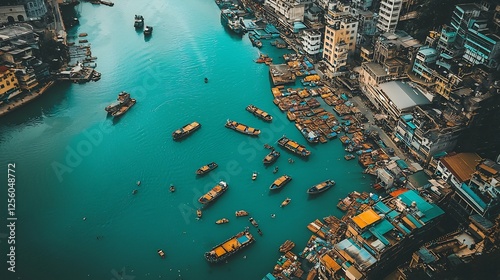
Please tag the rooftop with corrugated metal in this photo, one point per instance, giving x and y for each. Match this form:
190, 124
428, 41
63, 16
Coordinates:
461, 165
366, 218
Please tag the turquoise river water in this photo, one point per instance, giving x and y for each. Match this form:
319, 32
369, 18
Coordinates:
73, 162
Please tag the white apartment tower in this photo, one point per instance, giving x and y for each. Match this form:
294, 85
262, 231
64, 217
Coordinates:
340, 39
389, 15
290, 10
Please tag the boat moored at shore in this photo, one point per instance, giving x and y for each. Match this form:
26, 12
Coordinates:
241, 128
231, 20
293, 147
287, 246
206, 168
280, 182
259, 113
185, 130
229, 247
214, 193
321, 187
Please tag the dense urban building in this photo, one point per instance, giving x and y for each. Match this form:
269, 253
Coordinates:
340, 39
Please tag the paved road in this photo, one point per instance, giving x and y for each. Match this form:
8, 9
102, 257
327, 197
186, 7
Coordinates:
371, 126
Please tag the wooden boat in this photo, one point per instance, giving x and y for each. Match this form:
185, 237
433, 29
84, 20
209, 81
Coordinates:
349, 156
214, 193
321, 187
82, 35
267, 146
280, 182
172, 188
264, 58
222, 221
161, 253
254, 175
206, 168
124, 108
229, 247
275, 170
241, 213
242, 128
345, 139
206, 80
259, 113
134, 192
287, 246
253, 222
285, 202
185, 130
199, 213
293, 147
259, 231
271, 157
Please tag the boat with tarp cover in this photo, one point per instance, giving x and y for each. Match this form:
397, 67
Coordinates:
271, 157
229, 247
259, 113
280, 182
242, 128
214, 193
293, 147
185, 130
206, 168
321, 187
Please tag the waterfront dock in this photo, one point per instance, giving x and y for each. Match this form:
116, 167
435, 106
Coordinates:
23, 99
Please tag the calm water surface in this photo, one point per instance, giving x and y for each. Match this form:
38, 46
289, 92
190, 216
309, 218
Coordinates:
73, 162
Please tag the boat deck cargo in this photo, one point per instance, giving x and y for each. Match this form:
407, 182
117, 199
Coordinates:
293, 147
259, 113
280, 182
214, 193
242, 128
321, 187
206, 168
271, 157
185, 130
229, 247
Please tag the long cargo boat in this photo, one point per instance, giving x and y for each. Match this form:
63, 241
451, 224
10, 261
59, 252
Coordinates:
214, 193
321, 187
185, 130
280, 182
293, 147
229, 247
259, 113
206, 168
241, 128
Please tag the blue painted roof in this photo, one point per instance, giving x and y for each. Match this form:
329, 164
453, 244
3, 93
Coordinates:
404, 228
474, 196
425, 255
383, 227
381, 207
269, 276
393, 214
414, 221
